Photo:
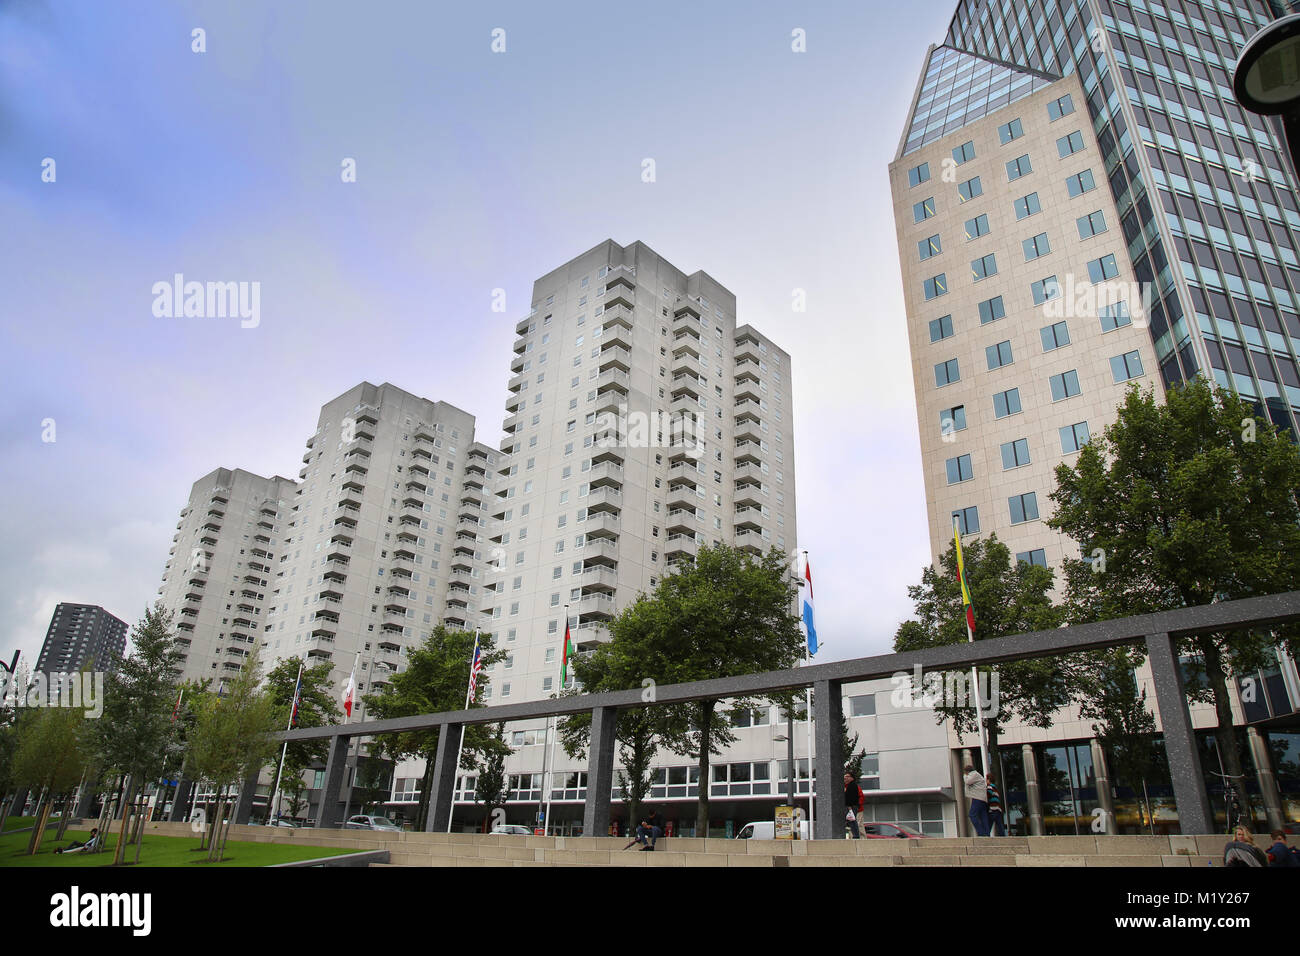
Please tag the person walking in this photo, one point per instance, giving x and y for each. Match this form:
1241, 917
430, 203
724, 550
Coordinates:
852, 800
996, 827
977, 795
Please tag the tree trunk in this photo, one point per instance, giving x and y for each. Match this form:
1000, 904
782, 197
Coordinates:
1225, 734
120, 853
5, 807
42, 815
214, 828
143, 816
63, 818
706, 734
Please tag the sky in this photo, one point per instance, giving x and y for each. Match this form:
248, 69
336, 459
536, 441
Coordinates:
475, 171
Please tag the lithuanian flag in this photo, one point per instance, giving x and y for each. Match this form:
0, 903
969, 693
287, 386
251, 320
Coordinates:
961, 576
565, 655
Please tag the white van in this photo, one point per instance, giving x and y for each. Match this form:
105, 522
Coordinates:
766, 830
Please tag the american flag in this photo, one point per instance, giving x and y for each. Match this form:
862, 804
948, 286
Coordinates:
475, 666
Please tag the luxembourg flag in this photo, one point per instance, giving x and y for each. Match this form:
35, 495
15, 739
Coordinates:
808, 607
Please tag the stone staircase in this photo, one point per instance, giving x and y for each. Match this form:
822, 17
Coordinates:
473, 849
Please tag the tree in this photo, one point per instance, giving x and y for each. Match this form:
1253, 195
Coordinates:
317, 707
233, 739
50, 758
727, 614
1122, 722
1006, 600
490, 784
131, 736
1182, 504
621, 664
849, 748
8, 744
435, 680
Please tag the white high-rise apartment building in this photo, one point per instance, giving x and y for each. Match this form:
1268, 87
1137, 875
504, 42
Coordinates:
385, 538
220, 570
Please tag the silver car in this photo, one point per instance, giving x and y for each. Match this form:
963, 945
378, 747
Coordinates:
371, 823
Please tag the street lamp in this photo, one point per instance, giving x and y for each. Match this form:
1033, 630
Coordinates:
1267, 78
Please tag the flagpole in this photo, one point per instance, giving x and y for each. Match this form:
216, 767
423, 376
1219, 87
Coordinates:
564, 678
970, 639
293, 706
469, 689
347, 804
808, 715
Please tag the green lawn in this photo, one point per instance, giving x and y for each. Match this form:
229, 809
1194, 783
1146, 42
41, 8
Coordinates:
14, 823
156, 851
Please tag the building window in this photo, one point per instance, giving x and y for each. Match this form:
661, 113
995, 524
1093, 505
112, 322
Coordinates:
968, 520
918, 174
923, 210
1006, 403
1027, 206
1080, 183
991, 310
1074, 437
1037, 556
1036, 246
945, 373
1113, 316
979, 226
1009, 131
983, 267
1058, 108
998, 355
1126, 366
952, 419
1015, 453
1101, 269
1023, 507
970, 189
940, 328
1045, 289
1065, 385
964, 153
1020, 166
1068, 145
959, 469
929, 247
1091, 224
863, 705
1054, 336
936, 286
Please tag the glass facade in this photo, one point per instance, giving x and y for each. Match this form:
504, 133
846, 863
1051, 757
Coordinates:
1205, 193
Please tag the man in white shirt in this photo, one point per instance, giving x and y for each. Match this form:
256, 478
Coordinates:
977, 795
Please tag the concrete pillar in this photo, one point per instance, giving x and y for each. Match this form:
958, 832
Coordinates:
1268, 788
600, 773
1180, 742
1033, 795
85, 800
244, 806
20, 798
329, 798
184, 788
443, 784
828, 707
1101, 776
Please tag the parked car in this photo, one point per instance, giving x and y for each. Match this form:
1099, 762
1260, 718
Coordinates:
887, 831
371, 823
512, 829
766, 830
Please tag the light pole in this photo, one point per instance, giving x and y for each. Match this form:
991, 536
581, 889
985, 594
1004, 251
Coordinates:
1267, 78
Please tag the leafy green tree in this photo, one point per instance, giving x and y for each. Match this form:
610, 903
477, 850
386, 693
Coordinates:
1007, 599
1179, 504
727, 614
435, 679
317, 707
1112, 699
8, 744
50, 758
490, 782
849, 747
132, 735
233, 739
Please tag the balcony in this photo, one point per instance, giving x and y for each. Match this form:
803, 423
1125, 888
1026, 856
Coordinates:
746, 350
747, 429
680, 546
319, 654
682, 521
620, 290
398, 590
615, 337
335, 571
324, 632
401, 571
594, 606
607, 473
517, 382
686, 385
681, 495
356, 468
327, 615
416, 487
604, 499
331, 593
686, 311
615, 380
389, 647
612, 454
749, 451
747, 387
407, 535
455, 602
603, 525
419, 468
615, 358
462, 578
685, 363
749, 495
600, 551
618, 315
748, 471
750, 541
686, 342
